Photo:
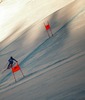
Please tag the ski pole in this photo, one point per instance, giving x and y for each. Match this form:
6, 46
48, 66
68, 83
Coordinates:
4, 71
5, 65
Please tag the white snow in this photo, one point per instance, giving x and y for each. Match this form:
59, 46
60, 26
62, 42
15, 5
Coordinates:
54, 67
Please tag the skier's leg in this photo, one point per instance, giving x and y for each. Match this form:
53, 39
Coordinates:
8, 67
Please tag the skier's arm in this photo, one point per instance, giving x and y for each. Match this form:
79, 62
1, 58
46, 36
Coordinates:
15, 60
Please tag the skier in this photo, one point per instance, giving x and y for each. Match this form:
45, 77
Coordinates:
11, 62
14, 67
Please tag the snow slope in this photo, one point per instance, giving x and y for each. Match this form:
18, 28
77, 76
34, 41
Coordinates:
15, 14
54, 67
